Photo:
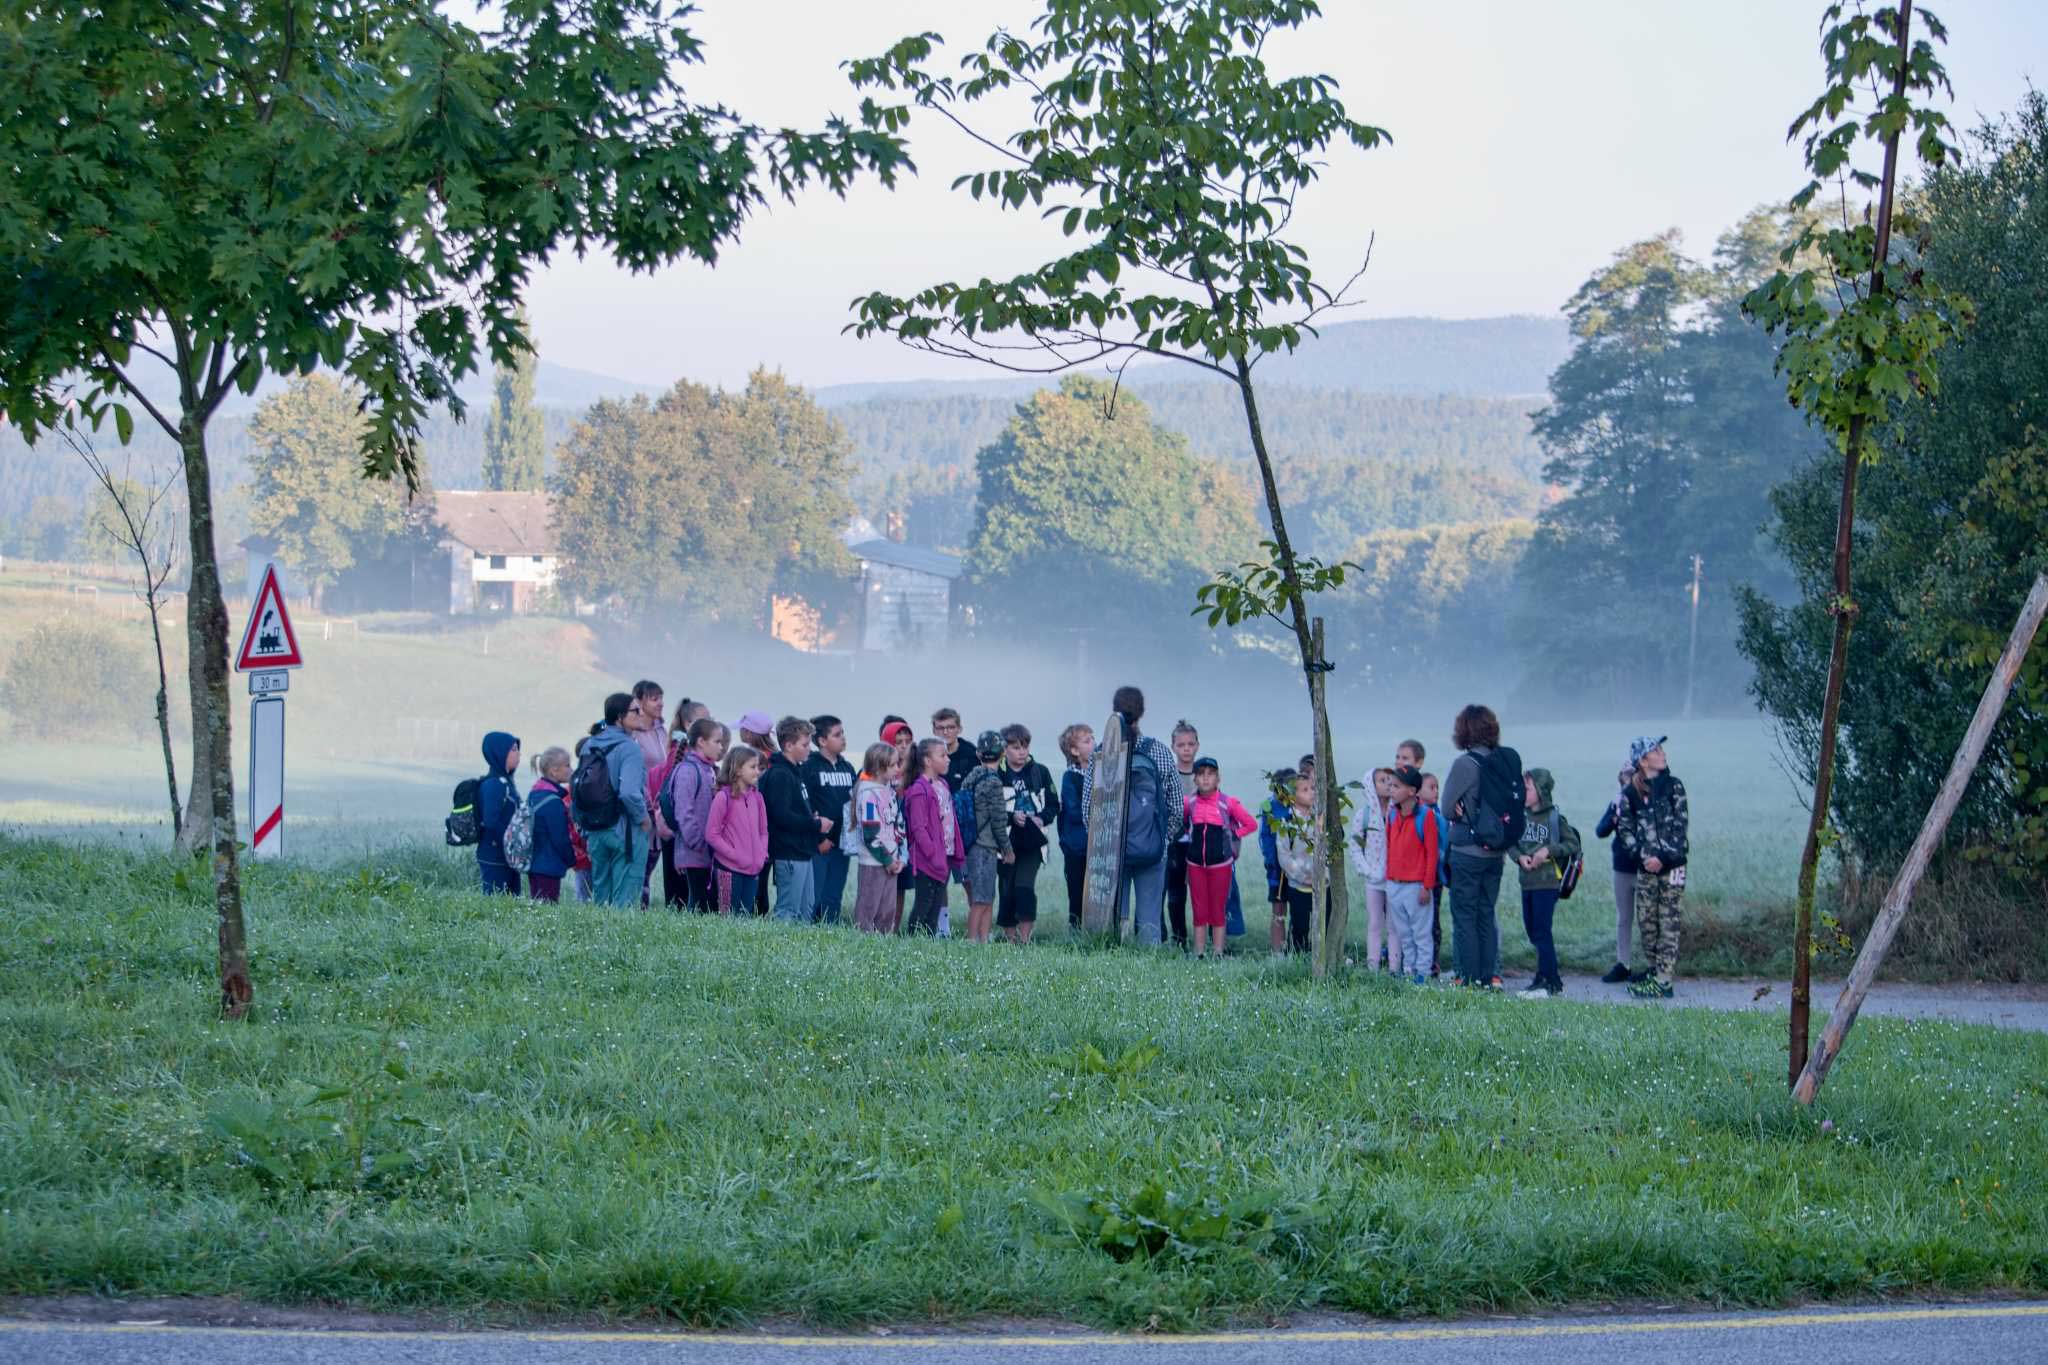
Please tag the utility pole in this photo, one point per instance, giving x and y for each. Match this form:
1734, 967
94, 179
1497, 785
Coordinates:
1692, 649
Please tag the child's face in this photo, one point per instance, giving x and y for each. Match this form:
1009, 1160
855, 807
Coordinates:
833, 742
512, 759
557, 772
712, 746
1018, 753
1403, 794
1084, 747
894, 777
1654, 762
798, 749
1528, 792
1184, 746
1383, 783
1304, 793
1207, 780
1406, 757
749, 772
1428, 793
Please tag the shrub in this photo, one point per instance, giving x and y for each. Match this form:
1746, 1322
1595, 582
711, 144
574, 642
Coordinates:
64, 665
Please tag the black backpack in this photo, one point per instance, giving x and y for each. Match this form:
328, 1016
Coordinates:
1144, 812
465, 825
593, 797
1494, 812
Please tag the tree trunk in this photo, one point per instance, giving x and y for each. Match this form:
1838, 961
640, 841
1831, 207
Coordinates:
163, 702
1843, 608
1329, 809
1900, 898
206, 630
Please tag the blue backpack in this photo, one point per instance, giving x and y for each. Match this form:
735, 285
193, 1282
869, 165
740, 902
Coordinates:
1144, 812
963, 814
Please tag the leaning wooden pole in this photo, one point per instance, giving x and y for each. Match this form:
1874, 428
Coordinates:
1900, 897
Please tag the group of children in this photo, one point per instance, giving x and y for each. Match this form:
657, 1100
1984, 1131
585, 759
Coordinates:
782, 807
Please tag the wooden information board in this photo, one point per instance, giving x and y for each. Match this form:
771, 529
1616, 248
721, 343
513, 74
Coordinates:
1106, 810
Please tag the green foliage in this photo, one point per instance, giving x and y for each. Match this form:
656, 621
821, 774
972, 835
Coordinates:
1859, 332
1184, 1225
68, 672
702, 503
45, 529
515, 438
271, 185
1422, 605
1261, 588
308, 494
1948, 541
1089, 511
349, 1134
1666, 431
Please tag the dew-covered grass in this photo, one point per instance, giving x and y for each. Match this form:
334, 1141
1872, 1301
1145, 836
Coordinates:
574, 1111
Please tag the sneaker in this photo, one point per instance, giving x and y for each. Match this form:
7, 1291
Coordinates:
1537, 990
1616, 974
1555, 985
1650, 988
1418, 979
1496, 985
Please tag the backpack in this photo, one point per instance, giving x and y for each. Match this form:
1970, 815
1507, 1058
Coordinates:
1573, 866
593, 797
519, 838
963, 812
1144, 812
1500, 817
464, 825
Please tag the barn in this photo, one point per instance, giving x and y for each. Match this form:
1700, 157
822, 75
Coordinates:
906, 595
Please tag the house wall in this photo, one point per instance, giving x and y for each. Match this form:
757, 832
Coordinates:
517, 585
903, 608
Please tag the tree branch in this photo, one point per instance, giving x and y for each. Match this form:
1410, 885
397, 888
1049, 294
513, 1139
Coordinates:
170, 427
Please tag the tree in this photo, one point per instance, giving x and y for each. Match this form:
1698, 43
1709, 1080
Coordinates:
1416, 607
1089, 512
256, 187
515, 436
308, 494
1158, 134
1948, 540
1860, 331
1333, 502
704, 503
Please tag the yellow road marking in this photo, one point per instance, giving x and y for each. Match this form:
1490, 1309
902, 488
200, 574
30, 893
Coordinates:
962, 1342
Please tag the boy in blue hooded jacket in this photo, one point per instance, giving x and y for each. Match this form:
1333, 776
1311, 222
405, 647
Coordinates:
497, 795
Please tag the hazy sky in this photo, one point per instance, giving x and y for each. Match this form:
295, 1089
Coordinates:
1531, 139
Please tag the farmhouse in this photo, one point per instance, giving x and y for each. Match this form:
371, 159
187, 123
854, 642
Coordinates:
499, 547
906, 595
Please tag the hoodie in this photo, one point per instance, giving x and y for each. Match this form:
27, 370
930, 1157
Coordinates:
1545, 827
1369, 838
554, 849
692, 784
792, 828
991, 795
496, 796
1291, 849
737, 830
935, 847
628, 772
829, 784
1073, 822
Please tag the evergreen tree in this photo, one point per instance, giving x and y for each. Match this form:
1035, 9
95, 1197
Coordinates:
515, 438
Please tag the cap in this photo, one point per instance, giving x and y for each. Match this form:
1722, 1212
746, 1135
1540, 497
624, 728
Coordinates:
1207, 762
1408, 776
1641, 745
896, 731
757, 722
988, 744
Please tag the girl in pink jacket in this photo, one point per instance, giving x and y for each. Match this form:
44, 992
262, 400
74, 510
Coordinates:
1215, 824
737, 829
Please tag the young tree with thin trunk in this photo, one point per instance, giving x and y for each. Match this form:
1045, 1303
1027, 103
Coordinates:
1162, 142
1860, 331
254, 187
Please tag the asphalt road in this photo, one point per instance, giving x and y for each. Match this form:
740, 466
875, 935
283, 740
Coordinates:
1964, 1002
1982, 1334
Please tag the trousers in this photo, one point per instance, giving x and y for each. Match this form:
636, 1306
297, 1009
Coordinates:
1411, 920
1475, 929
1658, 895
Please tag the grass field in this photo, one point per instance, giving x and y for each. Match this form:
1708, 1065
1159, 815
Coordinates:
485, 1106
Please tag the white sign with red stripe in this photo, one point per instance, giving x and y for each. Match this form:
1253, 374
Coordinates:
266, 777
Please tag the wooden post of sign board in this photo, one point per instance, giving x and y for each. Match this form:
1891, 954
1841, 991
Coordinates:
1900, 898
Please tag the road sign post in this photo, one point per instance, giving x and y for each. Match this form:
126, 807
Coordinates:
270, 648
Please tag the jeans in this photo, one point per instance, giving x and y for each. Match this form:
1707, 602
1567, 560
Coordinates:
1409, 914
1077, 888
618, 867
736, 891
1144, 891
1233, 911
1624, 914
796, 890
928, 901
498, 877
1538, 909
1475, 930
828, 873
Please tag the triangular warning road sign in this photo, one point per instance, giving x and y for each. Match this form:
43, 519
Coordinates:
268, 640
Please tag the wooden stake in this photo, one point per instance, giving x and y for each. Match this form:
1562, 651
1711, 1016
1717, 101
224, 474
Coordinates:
1900, 897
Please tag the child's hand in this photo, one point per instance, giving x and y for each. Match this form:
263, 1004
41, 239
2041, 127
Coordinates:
1543, 854
1009, 855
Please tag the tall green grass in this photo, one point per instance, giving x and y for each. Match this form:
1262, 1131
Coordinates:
501, 1109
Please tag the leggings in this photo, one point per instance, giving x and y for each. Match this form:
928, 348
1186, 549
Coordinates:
675, 885
926, 903
1380, 933
1624, 913
1077, 888
1300, 902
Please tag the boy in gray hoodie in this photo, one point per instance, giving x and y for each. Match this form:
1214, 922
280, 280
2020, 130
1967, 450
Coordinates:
1547, 846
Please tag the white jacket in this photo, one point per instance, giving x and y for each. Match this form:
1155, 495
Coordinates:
1368, 839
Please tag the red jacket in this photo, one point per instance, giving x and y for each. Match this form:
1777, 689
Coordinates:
1412, 857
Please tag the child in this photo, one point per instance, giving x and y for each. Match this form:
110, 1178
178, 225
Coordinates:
1408, 754
1216, 824
674, 885
1414, 852
1431, 791
1186, 742
1272, 815
1031, 806
1295, 852
1625, 870
1656, 830
828, 780
692, 784
1369, 859
554, 852
991, 851
495, 798
1077, 744
1548, 841
873, 842
737, 830
896, 731
757, 732
793, 827
933, 835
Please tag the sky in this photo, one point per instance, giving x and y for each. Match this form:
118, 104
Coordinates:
1531, 139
